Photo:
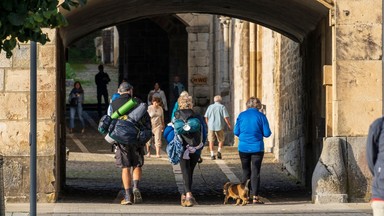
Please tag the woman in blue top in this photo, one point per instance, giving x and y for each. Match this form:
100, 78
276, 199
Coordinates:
251, 126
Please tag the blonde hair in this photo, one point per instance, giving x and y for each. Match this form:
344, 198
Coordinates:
184, 93
185, 102
253, 102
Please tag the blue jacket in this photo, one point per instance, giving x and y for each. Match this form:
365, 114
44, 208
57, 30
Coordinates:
251, 126
375, 157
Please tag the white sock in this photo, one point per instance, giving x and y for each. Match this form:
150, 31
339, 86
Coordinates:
212, 153
219, 149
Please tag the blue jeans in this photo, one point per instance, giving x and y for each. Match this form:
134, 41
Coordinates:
72, 110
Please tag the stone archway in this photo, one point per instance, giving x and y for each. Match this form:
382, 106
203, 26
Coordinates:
355, 70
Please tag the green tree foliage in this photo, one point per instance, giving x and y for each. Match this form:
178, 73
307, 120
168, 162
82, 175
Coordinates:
23, 20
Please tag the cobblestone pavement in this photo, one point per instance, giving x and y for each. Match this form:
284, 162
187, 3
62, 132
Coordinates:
93, 186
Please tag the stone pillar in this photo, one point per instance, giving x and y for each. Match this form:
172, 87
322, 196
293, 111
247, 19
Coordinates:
252, 59
327, 83
357, 100
329, 181
259, 60
199, 64
225, 22
15, 119
358, 85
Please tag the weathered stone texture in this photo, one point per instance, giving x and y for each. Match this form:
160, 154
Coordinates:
46, 138
269, 91
18, 80
47, 56
46, 80
46, 105
4, 61
361, 79
291, 107
329, 180
357, 170
351, 12
1, 80
355, 123
51, 35
21, 57
358, 42
16, 179
14, 138
293, 158
19, 106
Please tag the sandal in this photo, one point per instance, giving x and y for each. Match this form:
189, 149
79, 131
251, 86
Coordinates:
257, 201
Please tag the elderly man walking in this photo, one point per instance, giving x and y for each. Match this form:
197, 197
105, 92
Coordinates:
215, 116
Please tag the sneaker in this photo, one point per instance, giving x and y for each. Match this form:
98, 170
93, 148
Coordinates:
137, 196
182, 200
218, 155
189, 202
213, 157
126, 201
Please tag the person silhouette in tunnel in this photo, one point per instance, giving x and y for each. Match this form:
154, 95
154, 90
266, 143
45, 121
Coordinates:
102, 79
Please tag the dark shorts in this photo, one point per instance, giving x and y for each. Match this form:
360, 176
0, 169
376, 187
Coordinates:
129, 156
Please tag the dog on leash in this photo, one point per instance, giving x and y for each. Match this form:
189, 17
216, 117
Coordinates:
238, 192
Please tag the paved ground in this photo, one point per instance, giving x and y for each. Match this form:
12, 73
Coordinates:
93, 186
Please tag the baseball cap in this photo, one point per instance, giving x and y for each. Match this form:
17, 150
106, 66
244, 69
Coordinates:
125, 86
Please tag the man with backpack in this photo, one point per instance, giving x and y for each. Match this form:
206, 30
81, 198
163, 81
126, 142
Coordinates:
130, 157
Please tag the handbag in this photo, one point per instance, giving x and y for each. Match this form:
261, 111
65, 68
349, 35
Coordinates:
73, 102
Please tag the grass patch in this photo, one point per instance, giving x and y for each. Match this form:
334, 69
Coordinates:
78, 67
85, 82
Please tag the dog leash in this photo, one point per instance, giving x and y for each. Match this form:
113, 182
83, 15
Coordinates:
206, 183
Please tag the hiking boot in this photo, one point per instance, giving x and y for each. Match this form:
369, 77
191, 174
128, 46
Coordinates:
137, 196
126, 201
213, 157
218, 155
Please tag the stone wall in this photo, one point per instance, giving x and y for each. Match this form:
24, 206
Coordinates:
291, 113
15, 121
268, 66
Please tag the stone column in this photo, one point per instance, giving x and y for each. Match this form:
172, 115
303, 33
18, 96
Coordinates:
357, 99
15, 119
327, 83
225, 22
252, 58
199, 64
259, 64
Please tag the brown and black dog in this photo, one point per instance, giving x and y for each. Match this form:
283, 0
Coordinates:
238, 192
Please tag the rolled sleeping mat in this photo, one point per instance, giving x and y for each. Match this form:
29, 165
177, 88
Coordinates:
124, 109
138, 112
